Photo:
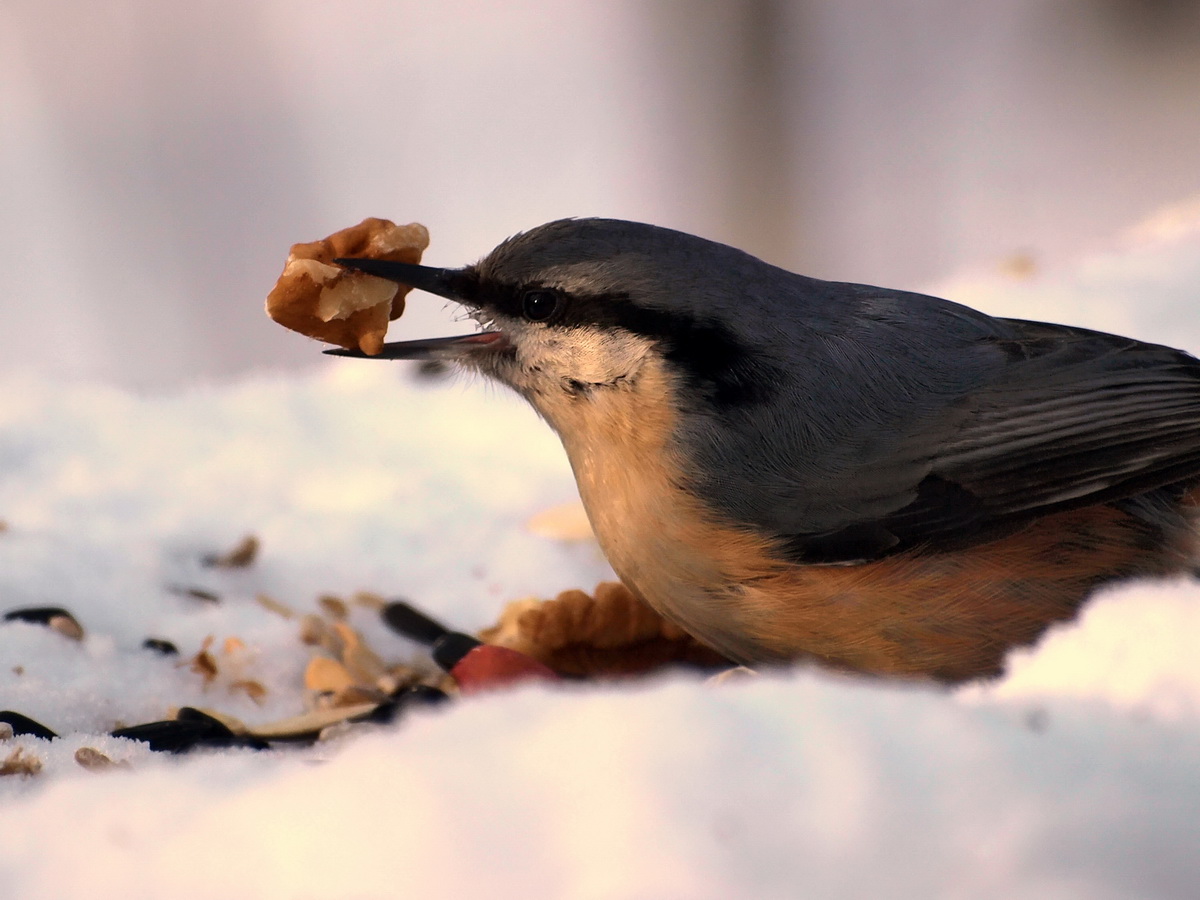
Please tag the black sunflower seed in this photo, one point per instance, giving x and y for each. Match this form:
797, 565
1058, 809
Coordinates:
54, 617
24, 725
192, 729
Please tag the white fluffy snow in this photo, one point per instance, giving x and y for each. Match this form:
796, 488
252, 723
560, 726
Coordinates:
1078, 776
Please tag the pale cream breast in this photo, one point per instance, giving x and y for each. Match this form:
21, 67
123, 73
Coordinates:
656, 535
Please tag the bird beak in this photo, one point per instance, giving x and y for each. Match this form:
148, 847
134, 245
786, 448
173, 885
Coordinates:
446, 283
447, 348
449, 283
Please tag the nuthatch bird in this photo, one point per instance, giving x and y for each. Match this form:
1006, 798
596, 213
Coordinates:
798, 469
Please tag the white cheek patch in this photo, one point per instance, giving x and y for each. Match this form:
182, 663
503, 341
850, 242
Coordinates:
587, 355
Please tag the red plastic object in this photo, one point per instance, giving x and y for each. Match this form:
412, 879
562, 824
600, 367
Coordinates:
488, 667
474, 665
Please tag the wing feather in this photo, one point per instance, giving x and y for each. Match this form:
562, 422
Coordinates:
1071, 418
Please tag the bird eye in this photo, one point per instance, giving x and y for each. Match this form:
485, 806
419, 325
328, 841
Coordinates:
539, 305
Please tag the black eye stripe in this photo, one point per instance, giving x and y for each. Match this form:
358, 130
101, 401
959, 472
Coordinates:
710, 356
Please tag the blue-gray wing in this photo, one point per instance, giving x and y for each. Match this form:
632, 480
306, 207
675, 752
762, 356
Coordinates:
963, 430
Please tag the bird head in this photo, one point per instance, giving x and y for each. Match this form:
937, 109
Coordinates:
579, 307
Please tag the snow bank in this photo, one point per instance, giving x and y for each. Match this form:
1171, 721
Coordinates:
1076, 776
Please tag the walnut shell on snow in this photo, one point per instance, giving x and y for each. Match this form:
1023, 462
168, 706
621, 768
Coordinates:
608, 633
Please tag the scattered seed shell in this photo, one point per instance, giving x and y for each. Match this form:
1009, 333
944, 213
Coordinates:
333, 606
94, 761
239, 557
53, 617
364, 664
316, 632
20, 762
196, 593
348, 636
310, 724
280, 609
67, 627
160, 645
327, 675
233, 645
357, 694
251, 688
369, 599
203, 663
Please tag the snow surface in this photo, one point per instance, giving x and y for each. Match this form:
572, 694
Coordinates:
1077, 776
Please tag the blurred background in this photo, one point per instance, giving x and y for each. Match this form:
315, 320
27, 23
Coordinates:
158, 158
